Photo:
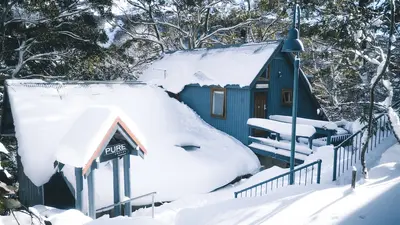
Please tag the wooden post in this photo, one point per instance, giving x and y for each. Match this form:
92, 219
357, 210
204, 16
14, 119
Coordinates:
91, 193
127, 184
353, 177
79, 188
117, 208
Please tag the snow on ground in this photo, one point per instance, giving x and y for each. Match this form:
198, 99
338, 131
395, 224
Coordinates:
375, 201
44, 113
203, 66
210, 208
69, 217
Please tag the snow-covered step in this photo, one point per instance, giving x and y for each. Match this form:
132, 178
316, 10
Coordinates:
281, 154
281, 145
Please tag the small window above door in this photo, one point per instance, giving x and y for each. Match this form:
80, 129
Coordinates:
218, 103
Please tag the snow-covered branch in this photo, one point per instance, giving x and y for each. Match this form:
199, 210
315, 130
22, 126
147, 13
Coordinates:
223, 29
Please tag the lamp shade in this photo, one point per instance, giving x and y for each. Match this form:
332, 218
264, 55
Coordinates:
293, 43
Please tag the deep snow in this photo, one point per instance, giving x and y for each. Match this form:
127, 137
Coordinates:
45, 113
204, 66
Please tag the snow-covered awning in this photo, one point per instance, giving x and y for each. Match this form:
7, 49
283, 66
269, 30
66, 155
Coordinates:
92, 132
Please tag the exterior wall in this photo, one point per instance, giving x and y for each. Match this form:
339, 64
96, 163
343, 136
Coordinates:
29, 194
237, 109
282, 77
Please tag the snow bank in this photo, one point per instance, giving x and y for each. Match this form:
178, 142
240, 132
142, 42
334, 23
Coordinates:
315, 123
373, 202
395, 122
120, 220
69, 217
220, 66
45, 113
45, 213
282, 128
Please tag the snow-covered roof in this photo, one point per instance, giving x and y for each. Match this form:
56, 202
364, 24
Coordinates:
89, 134
234, 65
44, 113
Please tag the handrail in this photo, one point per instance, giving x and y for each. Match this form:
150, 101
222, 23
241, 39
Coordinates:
348, 153
356, 133
286, 174
130, 200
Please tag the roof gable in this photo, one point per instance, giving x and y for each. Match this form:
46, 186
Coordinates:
233, 65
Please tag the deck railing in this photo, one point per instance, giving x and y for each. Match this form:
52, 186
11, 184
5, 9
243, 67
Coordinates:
307, 177
348, 153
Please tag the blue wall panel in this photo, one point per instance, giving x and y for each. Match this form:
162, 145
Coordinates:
282, 77
237, 109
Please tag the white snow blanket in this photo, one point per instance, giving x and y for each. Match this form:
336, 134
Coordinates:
282, 128
315, 123
81, 143
44, 113
236, 65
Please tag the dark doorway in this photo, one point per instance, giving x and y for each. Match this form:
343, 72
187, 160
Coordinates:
260, 110
57, 194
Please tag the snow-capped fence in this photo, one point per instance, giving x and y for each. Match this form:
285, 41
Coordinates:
348, 153
283, 180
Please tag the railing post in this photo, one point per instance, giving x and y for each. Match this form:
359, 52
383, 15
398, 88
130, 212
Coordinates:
319, 172
236, 194
353, 177
152, 206
334, 163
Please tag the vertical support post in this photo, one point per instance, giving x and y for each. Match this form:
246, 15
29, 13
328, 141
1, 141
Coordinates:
117, 208
91, 193
335, 155
319, 171
353, 177
152, 205
294, 117
79, 188
127, 184
329, 138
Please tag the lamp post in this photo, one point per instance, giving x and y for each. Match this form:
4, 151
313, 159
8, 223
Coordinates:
294, 45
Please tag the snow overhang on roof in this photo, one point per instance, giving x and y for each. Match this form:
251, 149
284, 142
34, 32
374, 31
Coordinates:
90, 136
231, 65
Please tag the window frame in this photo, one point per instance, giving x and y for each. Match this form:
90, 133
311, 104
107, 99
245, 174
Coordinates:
223, 116
286, 90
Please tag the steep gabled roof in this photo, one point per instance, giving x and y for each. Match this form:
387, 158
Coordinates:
231, 65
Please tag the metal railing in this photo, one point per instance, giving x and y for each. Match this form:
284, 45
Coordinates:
348, 153
283, 180
130, 200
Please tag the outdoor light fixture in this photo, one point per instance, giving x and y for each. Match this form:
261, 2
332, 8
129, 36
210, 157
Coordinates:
293, 44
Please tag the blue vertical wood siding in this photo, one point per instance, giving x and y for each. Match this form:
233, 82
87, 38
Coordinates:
237, 109
282, 77
29, 194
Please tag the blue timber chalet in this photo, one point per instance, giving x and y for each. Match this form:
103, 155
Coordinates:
228, 85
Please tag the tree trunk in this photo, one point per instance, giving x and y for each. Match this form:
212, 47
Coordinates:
372, 93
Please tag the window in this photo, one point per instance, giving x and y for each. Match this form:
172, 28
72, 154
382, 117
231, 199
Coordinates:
266, 75
218, 102
287, 97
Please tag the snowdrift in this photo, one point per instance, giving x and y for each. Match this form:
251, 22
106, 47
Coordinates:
44, 113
